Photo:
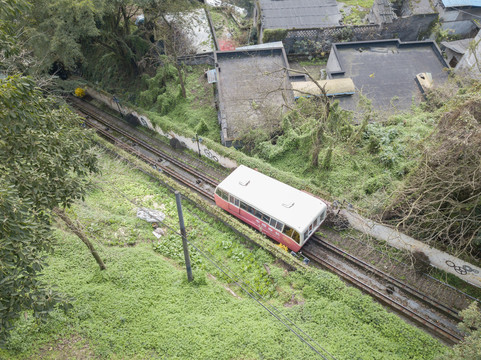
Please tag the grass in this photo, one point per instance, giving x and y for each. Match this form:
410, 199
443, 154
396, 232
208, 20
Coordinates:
364, 178
314, 62
143, 307
359, 9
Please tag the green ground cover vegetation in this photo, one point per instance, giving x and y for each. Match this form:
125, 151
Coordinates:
358, 11
142, 306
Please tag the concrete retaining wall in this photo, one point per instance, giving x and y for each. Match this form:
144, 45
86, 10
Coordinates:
186, 142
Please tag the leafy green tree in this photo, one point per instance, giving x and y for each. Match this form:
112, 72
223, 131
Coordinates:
97, 35
44, 157
9, 11
58, 28
470, 348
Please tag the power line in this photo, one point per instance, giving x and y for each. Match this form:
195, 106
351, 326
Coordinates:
261, 297
245, 287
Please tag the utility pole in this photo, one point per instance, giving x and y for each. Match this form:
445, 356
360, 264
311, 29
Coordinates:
198, 143
184, 237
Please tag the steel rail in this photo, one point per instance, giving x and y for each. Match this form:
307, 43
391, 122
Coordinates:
173, 174
445, 334
407, 288
94, 114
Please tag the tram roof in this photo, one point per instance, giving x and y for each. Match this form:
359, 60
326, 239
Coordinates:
273, 197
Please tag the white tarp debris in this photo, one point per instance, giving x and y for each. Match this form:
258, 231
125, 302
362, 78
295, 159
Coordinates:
140, 19
158, 233
150, 215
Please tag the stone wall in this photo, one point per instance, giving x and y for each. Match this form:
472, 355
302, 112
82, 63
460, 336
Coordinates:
316, 41
186, 142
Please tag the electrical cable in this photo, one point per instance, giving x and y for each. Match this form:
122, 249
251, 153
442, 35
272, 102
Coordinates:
261, 297
245, 288
237, 280
234, 274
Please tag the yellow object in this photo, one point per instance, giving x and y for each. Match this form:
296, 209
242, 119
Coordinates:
283, 247
79, 92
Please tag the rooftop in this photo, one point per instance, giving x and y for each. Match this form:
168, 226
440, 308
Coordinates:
384, 71
458, 46
458, 3
299, 14
253, 88
469, 63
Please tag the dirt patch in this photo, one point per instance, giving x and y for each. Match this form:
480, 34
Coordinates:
73, 347
293, 302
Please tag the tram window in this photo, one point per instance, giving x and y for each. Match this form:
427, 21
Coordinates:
251, 209
310, 227
291, 233
233, 200
222, 194
287, 230
273, 223
315, 222
279, 226
296, 237
306, 234
243, 206
260, 215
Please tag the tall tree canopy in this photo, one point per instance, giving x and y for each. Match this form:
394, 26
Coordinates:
98, 36
44, 157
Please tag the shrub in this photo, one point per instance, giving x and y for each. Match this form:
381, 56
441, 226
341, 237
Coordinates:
201, 127
271, 35
326, 163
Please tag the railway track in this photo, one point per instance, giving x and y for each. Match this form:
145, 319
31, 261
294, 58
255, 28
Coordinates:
410, 302
438, 318
171, 166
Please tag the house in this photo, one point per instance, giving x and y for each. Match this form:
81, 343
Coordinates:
470, 63
253, 90
460, 17
385, 71
295, 14
455, 50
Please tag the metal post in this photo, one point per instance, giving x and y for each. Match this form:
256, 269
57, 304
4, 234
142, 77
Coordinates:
184, 237
117, 101
198, 145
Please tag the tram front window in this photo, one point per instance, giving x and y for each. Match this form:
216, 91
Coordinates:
292, 233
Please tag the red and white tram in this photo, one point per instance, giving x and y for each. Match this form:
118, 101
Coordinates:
283, 213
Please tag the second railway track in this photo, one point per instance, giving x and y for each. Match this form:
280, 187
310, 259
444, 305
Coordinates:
185, 174
438, 318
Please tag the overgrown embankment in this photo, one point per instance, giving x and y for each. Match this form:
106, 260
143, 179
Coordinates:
142, 306
440, 201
